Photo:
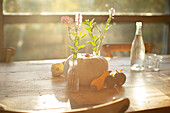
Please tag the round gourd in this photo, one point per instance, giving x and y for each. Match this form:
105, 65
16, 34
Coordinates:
57, 69
120, 78
110, 81
88, 67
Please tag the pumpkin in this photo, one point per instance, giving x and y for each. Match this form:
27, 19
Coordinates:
89, 67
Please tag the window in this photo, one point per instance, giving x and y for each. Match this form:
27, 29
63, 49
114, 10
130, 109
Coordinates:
59, 6
47, 39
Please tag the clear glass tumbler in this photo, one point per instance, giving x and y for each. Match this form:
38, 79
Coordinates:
149, 60
156, 63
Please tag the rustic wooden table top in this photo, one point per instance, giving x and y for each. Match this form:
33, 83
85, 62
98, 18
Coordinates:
29, 85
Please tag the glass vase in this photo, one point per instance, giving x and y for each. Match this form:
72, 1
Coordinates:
73, 77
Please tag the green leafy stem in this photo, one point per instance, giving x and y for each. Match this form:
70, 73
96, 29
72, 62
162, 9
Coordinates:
76, 41
97, 40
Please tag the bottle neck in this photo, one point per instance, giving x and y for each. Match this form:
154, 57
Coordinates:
138, 30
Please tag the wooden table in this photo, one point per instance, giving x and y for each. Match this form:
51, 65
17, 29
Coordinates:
29, 85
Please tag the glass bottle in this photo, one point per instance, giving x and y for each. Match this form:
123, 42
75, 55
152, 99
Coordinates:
137, 55
73, 77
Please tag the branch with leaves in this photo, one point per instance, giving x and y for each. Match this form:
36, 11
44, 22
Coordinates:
76, 41
94, 38
97, 40
77, 36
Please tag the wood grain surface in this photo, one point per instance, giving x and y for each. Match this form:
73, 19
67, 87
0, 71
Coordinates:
29, 86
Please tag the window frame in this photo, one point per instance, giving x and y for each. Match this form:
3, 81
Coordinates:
15, 18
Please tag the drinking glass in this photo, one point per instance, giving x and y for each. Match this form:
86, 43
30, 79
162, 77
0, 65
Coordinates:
149, 60
156, 62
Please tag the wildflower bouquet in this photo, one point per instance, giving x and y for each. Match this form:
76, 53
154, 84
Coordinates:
97, 40
73, 33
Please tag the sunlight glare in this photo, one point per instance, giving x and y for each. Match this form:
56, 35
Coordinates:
51, 102
140, 94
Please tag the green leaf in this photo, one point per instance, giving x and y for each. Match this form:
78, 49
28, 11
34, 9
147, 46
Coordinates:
74, 34
81, 47
91, 35
71, 47
80, 34
83, 35
87, 20
88, 29
91, 42
96, 39
103, 26
77, 41
91, 22
107, 28
86, 23
94, 36
108, 20
94, 49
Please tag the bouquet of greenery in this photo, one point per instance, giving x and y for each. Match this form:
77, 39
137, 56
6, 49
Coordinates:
97, 40
73, 33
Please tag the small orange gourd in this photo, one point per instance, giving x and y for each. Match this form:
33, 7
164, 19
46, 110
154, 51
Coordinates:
98, 83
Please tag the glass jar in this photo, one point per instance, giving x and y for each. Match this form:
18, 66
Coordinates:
73, 77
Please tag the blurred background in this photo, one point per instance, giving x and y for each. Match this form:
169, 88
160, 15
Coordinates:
39, 41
